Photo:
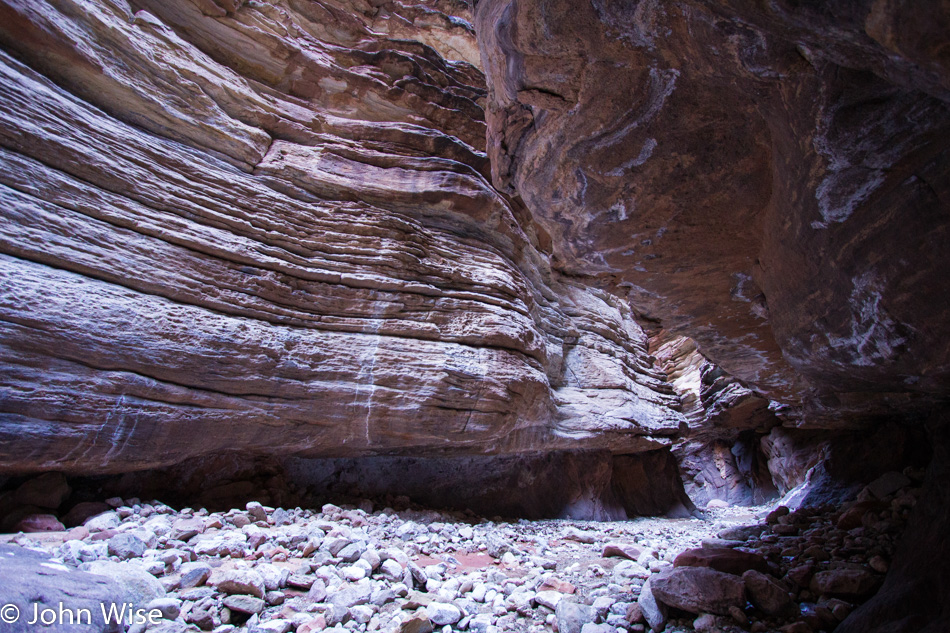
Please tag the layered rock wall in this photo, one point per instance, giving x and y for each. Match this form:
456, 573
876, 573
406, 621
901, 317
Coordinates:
269, 229
719, 452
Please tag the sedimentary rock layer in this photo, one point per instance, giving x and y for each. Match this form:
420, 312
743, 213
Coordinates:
268, 228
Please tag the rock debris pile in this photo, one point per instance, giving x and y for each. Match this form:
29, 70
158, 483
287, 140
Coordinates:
350, 568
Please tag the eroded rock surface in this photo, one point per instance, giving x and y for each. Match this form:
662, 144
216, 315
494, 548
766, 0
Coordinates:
768, 179
269, 228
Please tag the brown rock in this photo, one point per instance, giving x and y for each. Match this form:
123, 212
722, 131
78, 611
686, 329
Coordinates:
888, 484
102, 535
552, 583
845, 582
801, 574
776, 514
77, 533
376, 242
816, 552
698, 590
767, 595
84, 510
13, 515
738, 616
726, 560
622, 550
818, 617
878, 564
634, 613
852, 517
839, 608
417, 624
244, 604
185, 529
49, 490
764, 263
239, 581
38, 523
311, 626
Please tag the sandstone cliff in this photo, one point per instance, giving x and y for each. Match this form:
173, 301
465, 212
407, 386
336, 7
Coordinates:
269, 228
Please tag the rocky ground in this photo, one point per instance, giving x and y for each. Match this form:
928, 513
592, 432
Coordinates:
368, 568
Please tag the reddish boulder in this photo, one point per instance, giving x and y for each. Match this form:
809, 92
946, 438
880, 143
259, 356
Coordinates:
699, 590
853, 516
38, 523
767, 594
844, 582
83, 511
727, 560
49, 490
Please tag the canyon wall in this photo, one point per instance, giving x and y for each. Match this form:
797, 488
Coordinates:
269, 229
277, 230
770, 180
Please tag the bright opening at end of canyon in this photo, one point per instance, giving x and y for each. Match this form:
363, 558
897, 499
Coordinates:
490, 316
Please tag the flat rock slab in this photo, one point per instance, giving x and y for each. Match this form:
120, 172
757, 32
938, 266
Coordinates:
653, 611
722, 559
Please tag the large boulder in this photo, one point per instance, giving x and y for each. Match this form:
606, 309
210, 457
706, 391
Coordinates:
767, 594
31, 583
654, 611
140, 586
49, 490
698, 590
844, 582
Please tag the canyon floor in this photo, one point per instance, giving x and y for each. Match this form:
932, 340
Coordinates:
366, 567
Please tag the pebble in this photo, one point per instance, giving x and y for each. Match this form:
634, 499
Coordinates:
240, 581
126, 546
244, 604
441, 614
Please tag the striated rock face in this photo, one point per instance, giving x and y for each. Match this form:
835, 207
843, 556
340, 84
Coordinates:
719, 453
770, 179
269, 228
